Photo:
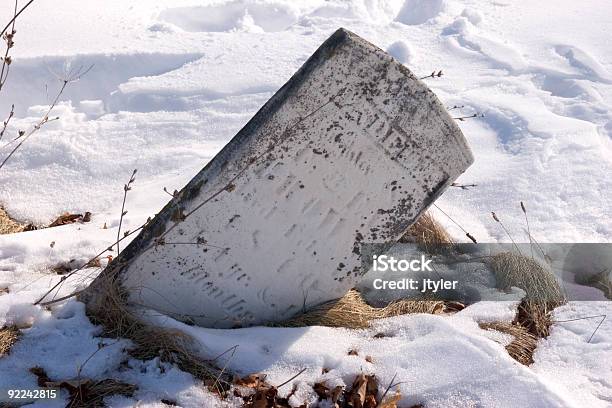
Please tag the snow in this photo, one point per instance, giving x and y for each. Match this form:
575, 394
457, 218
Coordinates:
416, 340
171, 83
576, 368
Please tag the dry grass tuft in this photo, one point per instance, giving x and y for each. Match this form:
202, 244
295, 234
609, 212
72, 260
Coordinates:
109, 309
8, 225
540, 284
523, 344
92, 394
84, 393
352, 311
543, 292
535, 317
8, 337
428, 232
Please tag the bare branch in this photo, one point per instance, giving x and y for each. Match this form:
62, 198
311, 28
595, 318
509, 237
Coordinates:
8, 38
6, 122
463, 186
45, 119
110, 248
127, 187
291, 379
16, 15
475, 115
467, 234
603, 317
433, 75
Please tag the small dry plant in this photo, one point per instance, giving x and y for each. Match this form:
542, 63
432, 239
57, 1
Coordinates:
8, 337
543, 294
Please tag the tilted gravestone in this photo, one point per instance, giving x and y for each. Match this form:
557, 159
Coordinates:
352, 149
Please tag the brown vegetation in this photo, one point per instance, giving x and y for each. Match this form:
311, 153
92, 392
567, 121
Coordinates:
353, 312
364, 392
8, 225
523, 344
85, 393
8, 337
111, 311
533, 317
428, 232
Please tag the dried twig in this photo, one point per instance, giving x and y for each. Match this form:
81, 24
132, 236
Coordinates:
450, 108
467, 234
17, 14
506, 231
603, 317
101, 345
535, 241
74, 76
110, 248
174, 194
6, 122
291, 379
475, 115
388, 387
8, 37
433, 75
463, 186
231, 349
220, 375
528, 229
126, 187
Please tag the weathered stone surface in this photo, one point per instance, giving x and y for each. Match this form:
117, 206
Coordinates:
353, 148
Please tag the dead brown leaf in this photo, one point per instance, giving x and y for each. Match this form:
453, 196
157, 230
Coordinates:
68, 218
391, 401
370, 402
371, 385
321, 390
336, 393
250, 381
358, 391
